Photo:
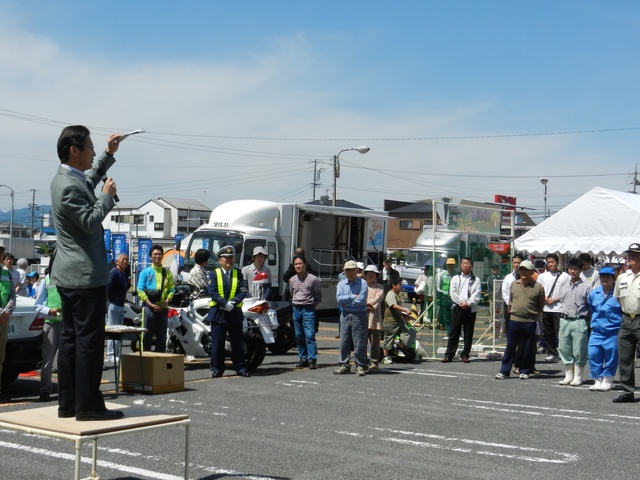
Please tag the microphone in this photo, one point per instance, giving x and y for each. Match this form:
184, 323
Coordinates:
104, 179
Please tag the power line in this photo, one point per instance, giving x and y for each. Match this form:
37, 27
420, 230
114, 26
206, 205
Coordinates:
52, 122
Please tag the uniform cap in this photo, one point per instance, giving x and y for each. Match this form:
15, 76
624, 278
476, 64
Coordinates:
227, 251
607, 271
634, 247
388, 258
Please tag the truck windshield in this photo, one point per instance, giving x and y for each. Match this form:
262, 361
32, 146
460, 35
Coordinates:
212, 241
420, 258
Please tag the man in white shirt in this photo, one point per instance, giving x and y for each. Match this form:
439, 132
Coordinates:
552, 281
465, 294
589, 274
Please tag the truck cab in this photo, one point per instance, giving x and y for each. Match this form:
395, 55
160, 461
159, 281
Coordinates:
329, 236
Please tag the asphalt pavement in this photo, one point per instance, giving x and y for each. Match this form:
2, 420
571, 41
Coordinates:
418, 420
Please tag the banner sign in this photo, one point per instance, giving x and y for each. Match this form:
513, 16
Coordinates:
510, 205
144, 252
107, 243
376, 235
474, 220
120, 245
499, 248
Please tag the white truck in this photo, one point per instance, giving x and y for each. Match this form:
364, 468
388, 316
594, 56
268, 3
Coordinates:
447, 244
20, 247
329, 235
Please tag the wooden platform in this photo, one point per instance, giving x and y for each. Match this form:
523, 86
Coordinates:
45, 421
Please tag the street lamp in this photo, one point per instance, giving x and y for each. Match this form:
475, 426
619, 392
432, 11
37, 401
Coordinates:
11, 221
544, 181
336, 166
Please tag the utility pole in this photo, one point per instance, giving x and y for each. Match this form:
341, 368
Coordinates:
635, 179
316, 177
33, 208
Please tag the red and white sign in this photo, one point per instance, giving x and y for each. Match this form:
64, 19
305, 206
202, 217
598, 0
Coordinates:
499, 248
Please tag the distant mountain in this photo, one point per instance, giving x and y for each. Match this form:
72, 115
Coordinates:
22, 216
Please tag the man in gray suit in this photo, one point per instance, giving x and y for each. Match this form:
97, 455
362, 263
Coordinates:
80, 271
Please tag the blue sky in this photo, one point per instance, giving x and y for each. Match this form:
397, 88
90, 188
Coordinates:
238, 98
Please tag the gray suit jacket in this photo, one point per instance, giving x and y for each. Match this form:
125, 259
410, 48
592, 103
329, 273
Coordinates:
80, 257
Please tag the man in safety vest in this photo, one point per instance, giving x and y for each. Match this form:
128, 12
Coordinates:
49, 304
227, 289
443, 283
7, 304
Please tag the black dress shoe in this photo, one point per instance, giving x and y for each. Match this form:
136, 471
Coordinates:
216, 374
45, 397
625, 398
244, 373
446, 360
66, 412
99, 415
466, 360
303, 363
313, 364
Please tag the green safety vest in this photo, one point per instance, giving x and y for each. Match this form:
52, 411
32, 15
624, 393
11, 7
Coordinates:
220, 282
53, 300
5, 287
446, 282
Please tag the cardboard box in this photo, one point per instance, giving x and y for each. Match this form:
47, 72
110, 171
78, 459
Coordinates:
161, 372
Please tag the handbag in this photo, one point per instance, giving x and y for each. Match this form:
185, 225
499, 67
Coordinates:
154, 295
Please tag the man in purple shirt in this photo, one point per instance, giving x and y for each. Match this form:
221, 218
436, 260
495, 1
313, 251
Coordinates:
306, 294
351, 294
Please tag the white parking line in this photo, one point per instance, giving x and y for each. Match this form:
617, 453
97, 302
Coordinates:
101, 463
516, 452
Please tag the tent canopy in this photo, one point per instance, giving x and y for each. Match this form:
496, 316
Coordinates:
601, 222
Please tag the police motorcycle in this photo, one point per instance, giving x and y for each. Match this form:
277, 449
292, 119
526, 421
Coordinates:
189, 331
132, 314
282, 331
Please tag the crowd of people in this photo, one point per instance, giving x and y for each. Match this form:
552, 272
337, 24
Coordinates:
582, 317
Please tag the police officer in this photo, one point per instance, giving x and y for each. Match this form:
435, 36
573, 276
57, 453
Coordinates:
227, 288
628, 293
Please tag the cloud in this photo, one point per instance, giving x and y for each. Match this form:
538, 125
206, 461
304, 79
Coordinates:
214, 126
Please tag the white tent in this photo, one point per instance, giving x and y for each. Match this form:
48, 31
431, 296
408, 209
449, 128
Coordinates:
601, 222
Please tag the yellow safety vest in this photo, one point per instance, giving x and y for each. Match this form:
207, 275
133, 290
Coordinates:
220, 282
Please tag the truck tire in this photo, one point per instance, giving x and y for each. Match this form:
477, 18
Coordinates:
285, 340
254, 350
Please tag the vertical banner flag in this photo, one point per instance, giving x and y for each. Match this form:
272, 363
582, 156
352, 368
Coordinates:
120, 245
107, 244
144, 251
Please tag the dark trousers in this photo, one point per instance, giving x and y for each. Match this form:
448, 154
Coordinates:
519, 353
231, 323
461, 321
81, 351
524, 334
628, 340
550, 329
156, 324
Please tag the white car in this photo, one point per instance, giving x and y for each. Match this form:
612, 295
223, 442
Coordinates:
24, 342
